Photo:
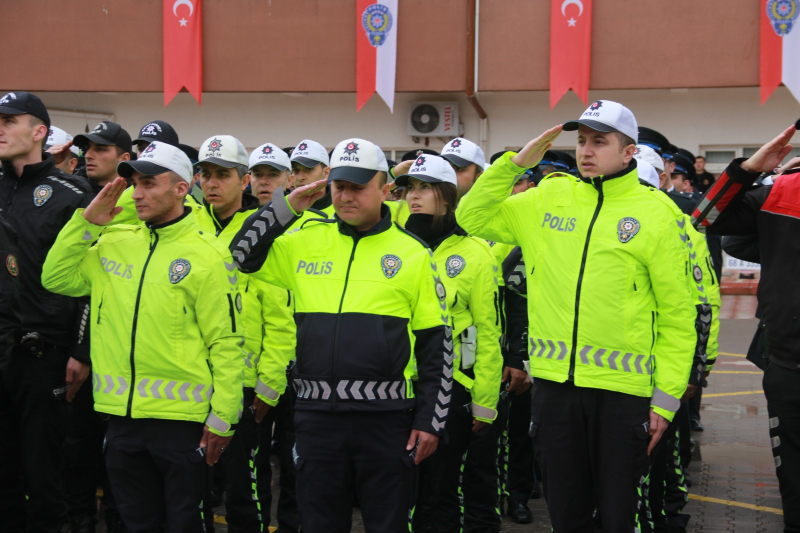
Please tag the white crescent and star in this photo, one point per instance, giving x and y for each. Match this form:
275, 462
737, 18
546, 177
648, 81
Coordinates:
189, 4
566, 3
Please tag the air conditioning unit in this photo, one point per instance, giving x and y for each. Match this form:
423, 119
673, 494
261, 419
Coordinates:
433, 119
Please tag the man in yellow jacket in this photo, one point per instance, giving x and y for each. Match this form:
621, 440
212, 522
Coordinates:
165, 342
611, 317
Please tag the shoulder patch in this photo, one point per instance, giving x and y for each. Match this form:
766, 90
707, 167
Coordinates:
11, 265
178, 270
41, 194
454, 265
66, 184
391, 265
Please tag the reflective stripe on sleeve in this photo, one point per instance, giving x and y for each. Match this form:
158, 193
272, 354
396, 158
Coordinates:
665, 401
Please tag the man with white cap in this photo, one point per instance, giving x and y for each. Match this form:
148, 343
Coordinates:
59, 137
654, 163
166, 341
310, 163
374, 350
468, 161
611, 318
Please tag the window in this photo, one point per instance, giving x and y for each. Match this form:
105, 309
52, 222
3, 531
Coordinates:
720, 156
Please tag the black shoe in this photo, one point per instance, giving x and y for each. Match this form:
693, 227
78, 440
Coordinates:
697, 426
518, 512
83, 524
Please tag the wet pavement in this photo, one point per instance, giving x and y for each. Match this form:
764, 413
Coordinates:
735, 488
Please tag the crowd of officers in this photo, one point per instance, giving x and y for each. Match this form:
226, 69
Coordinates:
426, 354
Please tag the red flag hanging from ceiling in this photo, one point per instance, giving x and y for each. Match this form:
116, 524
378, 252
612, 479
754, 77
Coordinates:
183, 48
780, 47
376, 50
570, 48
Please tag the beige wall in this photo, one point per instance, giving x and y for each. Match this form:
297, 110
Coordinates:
689, 118
309, 45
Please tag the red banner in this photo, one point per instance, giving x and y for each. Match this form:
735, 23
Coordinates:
570, 48
183, 48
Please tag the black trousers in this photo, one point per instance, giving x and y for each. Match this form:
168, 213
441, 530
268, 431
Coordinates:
782, 389
458, 483
281, 418
83, 455
33, 424
592, 448
665, 492
239, 464
157, 473
346, 454
521, 470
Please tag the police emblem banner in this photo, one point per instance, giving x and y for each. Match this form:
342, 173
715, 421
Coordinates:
376, 50
183, 48
780, 47
570, 48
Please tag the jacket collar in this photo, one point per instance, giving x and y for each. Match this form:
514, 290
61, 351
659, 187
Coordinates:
618, 183
249, 202
384, 224
175, 228
48, 165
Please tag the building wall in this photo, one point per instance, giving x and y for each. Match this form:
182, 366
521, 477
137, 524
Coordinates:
691, 118
309, 45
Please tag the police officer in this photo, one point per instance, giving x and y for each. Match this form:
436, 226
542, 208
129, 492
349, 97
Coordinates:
311, 163
105, 147
60, 137
10, 315
157, 130
362, 287
171, 384
468, 161
270, 171
611, 351
37, 199
431, 192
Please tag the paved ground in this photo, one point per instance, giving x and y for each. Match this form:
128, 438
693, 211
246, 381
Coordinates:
735, 489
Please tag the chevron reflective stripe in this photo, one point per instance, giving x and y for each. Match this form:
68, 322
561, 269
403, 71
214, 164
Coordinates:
665, 401
265, 390
483, 412
158, 389
616, 360
358, 390
215, 422
548, 348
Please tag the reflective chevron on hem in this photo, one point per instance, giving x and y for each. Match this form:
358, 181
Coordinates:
358, 390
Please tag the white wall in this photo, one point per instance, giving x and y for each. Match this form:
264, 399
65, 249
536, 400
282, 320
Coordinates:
690, 118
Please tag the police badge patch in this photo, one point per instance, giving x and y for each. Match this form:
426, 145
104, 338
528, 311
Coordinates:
627, 229
178, 270
239, 302
391, 265
698, 274
440, 290
455, 264
41, 194
11, 265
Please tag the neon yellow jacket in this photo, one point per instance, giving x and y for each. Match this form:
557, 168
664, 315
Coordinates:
608, 305
165, 338
469, 273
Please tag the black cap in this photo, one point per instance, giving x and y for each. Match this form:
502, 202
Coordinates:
498, 155
654, 140
567, 160
685, 166
22, 103
413, 154
289, 150
158, 130
192, 153
554, 158
392, 163
107, 133
687, 154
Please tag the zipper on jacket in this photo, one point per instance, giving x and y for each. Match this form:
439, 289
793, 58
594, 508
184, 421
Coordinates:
233, 315
711, 271
132, 387
98, 310
335, 358
598, 184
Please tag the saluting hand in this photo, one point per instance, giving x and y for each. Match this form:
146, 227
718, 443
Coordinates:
769, 156
304, 197
60, 151
104, 208
533, 152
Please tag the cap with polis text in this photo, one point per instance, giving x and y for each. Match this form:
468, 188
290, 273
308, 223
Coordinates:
431, 169
270, 154
607, 116
105, 133
156, 159
646, 153
58, 136
357, 161
158, 130
22, 103
224, 150
463, 153
310, 154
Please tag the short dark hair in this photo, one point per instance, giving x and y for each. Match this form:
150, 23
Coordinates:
700, 157
242, 170
383, 178
624, 140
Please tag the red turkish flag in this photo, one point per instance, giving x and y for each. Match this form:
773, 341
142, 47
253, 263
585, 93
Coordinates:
183, 48
570, 48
